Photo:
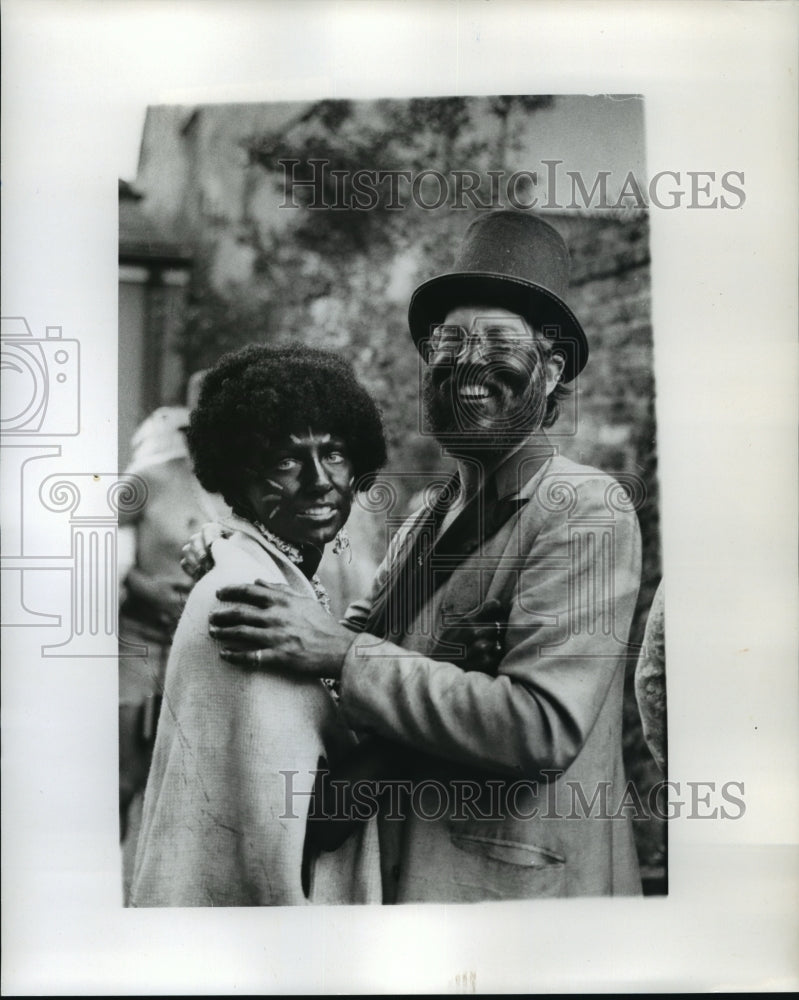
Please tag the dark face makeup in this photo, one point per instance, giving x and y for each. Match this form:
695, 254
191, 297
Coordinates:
485, 381
305, 492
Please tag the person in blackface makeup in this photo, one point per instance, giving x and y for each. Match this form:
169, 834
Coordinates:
286, 436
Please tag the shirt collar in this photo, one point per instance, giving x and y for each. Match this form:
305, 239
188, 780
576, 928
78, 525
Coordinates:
518, 467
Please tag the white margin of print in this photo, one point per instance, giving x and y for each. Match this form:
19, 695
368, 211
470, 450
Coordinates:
719, 81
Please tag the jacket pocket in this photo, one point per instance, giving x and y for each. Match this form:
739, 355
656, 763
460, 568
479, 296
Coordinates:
510, 852
506, 869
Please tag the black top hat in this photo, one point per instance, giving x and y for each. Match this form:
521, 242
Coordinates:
514, 260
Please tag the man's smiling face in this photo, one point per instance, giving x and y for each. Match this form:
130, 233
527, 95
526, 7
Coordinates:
487, 379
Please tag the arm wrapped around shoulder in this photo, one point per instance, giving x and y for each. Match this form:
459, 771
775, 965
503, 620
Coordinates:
571, 569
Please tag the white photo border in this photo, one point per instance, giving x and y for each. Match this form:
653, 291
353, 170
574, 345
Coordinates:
718, 79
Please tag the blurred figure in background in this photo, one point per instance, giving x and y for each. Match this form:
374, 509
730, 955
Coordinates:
154, 590
650, 681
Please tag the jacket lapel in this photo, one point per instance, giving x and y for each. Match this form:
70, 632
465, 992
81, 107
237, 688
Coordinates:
432, 556
388, 616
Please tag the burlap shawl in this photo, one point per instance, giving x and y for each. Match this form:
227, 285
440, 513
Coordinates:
227, 798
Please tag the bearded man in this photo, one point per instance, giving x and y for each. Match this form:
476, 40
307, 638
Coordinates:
512, 784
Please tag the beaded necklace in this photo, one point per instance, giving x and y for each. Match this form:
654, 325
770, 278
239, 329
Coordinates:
293, 554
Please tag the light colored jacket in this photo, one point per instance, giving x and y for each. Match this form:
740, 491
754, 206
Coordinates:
235, 755
558, 545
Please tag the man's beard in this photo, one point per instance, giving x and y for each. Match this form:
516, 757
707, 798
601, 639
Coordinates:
514, 409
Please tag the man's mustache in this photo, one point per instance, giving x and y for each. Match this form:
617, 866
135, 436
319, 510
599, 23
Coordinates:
510, 383
516, 391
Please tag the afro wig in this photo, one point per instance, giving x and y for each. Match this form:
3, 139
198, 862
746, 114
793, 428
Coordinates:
252, 399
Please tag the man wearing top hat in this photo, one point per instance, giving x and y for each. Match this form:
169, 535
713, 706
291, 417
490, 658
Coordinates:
512, 778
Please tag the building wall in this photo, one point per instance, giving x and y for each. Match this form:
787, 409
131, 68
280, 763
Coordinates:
151, 366
130, 362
